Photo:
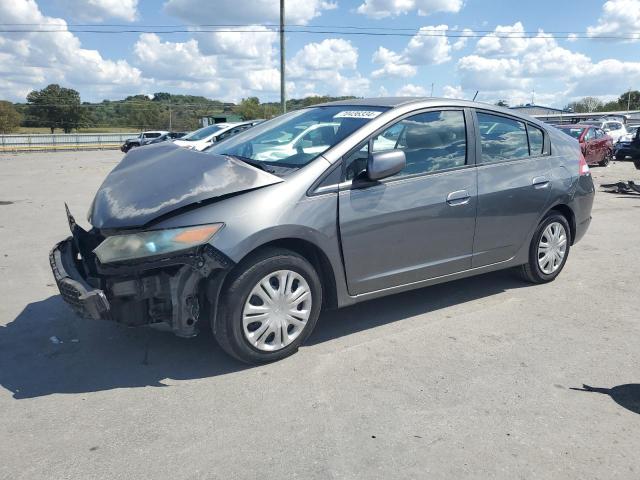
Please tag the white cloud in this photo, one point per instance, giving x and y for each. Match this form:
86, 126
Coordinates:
449, 91
330, 54
483, 73
429, 46
327, 67
298, 12
257, 45
100, 10
597, 79
393, 64
173, 61
32, 60
410, 90
462, 40
220, 64
618, 17
511, 67
392, 8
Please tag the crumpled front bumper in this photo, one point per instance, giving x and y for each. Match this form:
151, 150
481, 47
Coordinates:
86, 301
170, 292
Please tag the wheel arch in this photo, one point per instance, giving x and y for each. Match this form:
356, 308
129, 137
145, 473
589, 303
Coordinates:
305, 248
566, 211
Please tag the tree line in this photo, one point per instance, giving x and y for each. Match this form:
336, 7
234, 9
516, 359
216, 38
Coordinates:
59, 108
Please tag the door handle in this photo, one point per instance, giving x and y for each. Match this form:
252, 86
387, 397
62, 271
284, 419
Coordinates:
540, 182
459, 197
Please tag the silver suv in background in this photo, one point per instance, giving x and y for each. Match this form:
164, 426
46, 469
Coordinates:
393, 194
141, 139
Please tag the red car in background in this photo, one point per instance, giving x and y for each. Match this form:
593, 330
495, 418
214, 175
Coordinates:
597, 146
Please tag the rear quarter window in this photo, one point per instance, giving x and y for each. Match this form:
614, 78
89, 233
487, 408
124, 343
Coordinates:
536, 140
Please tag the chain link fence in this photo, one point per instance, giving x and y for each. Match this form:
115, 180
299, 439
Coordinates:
63, 141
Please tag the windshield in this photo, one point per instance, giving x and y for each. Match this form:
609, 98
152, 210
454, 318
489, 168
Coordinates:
594, 123
574, 132
202, 133
296, 138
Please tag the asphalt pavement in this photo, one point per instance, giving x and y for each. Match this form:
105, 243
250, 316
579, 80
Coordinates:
479, 378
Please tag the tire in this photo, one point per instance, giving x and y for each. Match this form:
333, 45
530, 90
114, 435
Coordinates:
607, 159
620, 158
532, 271
274, 335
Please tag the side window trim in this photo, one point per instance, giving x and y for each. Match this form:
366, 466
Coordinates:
470, 144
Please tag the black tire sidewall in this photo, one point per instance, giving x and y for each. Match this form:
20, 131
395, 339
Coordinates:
238, 291
542, 277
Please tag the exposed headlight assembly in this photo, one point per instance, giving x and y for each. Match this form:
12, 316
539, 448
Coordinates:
156, 242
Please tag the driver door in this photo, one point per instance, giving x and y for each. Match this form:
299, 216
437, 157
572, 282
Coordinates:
418, 224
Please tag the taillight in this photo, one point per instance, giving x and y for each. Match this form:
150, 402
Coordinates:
583, 168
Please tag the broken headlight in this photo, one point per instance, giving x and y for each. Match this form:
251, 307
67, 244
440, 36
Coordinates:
156, 242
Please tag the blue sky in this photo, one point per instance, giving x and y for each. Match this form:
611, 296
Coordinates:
230, 65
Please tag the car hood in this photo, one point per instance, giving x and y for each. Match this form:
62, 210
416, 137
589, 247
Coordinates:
155, 180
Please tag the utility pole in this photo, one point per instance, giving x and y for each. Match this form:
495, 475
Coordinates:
170, 117
629, 100
283, 98
431, 89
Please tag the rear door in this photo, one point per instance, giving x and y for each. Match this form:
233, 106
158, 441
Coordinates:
513, 185
420, 223
591, 150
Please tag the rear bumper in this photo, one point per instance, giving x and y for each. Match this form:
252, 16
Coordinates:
171, 292
581, 205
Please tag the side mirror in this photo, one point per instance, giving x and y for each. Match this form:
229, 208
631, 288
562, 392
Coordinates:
385, 164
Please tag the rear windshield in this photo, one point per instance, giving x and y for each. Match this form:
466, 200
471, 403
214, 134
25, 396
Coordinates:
574, 132
296, 138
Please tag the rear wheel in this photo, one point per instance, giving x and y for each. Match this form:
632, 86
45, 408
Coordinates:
549, 249
270, 305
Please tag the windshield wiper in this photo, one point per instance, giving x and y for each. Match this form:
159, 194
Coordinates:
251, 162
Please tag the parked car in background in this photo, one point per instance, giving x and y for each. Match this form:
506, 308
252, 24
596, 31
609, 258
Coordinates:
140, 139
631, 132
597, 147
256, 249
614, 128
166, 137
629, 145
309, 139
207, 136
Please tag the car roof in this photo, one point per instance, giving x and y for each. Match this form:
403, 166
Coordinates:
394, 102
428, 102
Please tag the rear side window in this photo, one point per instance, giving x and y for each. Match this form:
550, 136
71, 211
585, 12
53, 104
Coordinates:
502, 138
536, 140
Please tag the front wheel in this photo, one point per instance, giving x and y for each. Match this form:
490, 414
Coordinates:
607, 159
270, 305
549, 250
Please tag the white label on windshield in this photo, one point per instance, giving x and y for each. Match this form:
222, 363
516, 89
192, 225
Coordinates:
357, 114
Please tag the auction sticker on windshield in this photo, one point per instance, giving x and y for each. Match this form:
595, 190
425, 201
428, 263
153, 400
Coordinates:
357, 114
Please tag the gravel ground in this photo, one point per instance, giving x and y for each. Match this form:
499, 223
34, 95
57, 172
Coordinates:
478, 378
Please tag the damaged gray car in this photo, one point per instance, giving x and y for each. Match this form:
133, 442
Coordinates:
321, 208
